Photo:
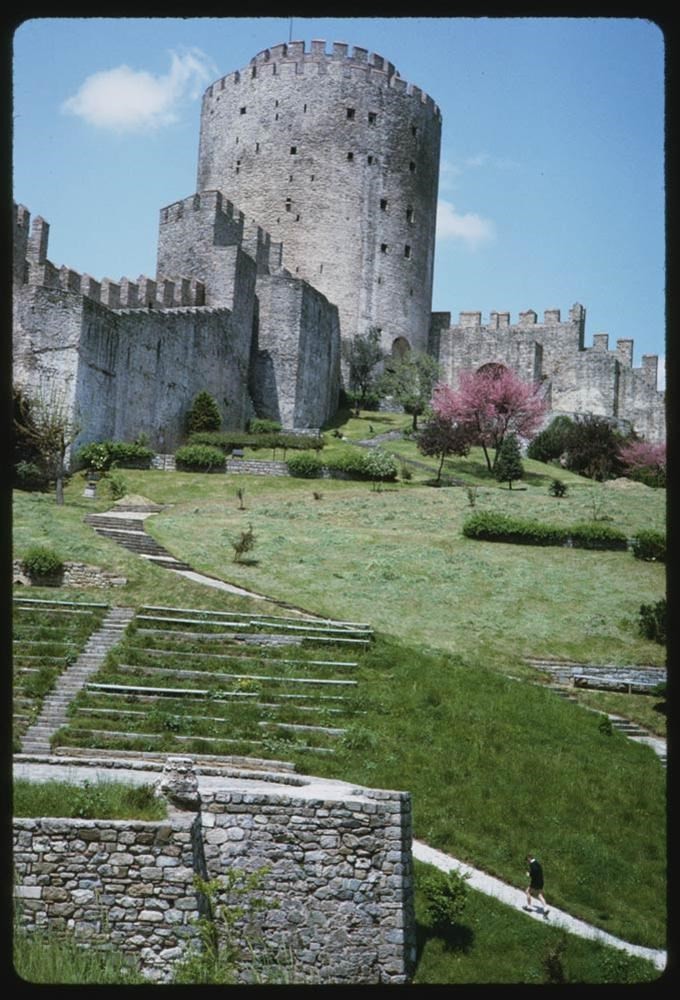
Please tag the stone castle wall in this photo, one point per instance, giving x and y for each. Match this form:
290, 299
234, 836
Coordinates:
579, 379
338, 158
338, 889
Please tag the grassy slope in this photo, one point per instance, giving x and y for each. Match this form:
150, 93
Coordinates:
503, 777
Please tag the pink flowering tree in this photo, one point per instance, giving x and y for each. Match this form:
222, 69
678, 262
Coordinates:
493, 402
645, 461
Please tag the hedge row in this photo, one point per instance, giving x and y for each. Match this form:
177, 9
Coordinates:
492, 527
199, 458
375, 464
228, 440
101, 455
650, 546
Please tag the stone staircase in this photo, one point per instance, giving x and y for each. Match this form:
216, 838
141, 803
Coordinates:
129, 532
53, 715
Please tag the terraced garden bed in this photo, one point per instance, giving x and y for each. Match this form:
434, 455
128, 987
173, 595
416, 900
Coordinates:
223, 683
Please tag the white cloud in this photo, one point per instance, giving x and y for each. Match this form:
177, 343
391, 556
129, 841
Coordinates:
129, 100
470, 228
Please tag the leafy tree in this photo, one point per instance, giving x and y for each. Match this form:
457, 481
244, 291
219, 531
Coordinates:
508, 465
27, 463
440, 437
494, 401
363, 354
593, 448
411, 380
204, 414
51, 429
551, 442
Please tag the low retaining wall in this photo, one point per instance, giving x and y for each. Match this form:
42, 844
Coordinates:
74, 574
338, 888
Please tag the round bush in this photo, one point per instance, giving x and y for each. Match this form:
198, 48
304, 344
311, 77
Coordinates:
42, 563
306, 465
199, 458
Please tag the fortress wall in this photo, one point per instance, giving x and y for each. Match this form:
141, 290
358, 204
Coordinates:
46, 337
462, 348
338, 159
641, 402
141, 374
296, 369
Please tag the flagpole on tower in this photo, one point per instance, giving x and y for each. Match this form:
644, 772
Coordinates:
290, 30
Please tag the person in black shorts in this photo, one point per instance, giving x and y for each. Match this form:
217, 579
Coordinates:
535, 876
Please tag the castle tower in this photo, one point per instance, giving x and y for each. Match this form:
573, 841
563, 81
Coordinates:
337, 158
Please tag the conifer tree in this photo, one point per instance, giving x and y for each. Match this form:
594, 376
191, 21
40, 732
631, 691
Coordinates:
204, 414
508, 462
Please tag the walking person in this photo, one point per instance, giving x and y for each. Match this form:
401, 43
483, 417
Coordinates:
535, 876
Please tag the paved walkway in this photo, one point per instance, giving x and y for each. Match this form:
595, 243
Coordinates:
516, 898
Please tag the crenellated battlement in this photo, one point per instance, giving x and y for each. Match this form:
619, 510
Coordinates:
502, 320
32, 267
212, 203
293, 58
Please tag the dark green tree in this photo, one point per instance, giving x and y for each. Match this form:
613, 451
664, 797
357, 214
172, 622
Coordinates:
410, 380
204, 414
363, 354
593, 448
439, 438
508, 465
551, 442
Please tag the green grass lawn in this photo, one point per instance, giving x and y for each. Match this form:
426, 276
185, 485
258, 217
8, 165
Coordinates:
496, 765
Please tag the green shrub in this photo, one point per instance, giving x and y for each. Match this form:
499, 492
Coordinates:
594, 535
557, 488
652, 622
259, 425
41, 563
305, 465
551, 442
351, 461
101, 455
204, 414
129, 454
199, 458
650, 546
116, 484
228, 440
380, 465
30, 477
493, 527
445, 897
654, 477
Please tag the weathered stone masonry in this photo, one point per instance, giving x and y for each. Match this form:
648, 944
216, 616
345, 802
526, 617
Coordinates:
339, 881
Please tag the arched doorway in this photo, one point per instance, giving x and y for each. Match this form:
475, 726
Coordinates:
400, 348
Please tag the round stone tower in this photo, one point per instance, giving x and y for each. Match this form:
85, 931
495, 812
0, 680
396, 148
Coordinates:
337, 158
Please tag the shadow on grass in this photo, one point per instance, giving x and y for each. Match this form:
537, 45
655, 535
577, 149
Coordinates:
458, 937
247, 562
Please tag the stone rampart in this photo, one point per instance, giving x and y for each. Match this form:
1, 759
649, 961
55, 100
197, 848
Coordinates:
579, 379
338, 885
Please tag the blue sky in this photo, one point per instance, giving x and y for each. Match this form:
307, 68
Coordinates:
552, 167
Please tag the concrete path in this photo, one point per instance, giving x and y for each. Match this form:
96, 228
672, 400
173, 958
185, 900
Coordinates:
515, 897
